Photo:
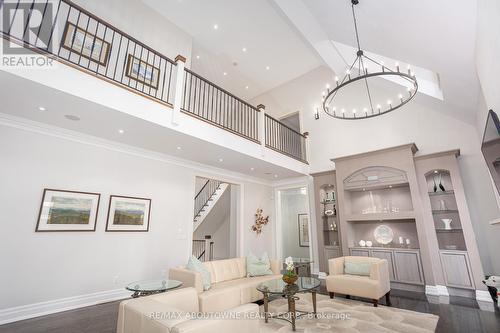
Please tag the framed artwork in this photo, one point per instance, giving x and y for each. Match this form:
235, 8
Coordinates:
303, 230
63, 210
84, 43
142, 72
128, 214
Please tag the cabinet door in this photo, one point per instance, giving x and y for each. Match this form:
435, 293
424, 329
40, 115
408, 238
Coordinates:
387, 255
456, 269
407, 267
332, 253
359, 253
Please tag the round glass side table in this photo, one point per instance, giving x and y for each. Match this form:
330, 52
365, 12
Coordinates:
149, 287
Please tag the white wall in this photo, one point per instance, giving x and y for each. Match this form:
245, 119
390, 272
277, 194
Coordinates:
429, 124
40, 267
293, 203
144, 24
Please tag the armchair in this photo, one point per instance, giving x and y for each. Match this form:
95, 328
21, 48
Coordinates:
372, 283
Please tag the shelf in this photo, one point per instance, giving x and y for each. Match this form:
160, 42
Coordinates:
445, 211
332, 246
407, 215
336, 230
384, 248
449, 230
329, 202
432, 194
328, 216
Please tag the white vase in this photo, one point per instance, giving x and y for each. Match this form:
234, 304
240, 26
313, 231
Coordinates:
447, 223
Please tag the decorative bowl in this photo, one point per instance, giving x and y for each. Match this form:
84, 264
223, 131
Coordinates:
290, 279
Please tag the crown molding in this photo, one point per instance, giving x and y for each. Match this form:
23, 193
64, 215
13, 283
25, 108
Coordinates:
70, 135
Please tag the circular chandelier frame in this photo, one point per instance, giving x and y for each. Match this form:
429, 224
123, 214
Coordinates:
363, 74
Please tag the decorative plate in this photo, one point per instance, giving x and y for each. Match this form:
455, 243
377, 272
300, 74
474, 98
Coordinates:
383, 234
369, 243
362, 243
329, 212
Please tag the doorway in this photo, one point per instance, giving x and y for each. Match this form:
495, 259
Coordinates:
293, 207
215, 219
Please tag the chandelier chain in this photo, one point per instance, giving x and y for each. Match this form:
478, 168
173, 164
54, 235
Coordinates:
356, 27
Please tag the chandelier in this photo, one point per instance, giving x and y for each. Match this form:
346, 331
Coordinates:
358, 74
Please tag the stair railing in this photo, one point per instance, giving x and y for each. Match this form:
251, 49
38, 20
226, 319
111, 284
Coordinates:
204, 196
203, 249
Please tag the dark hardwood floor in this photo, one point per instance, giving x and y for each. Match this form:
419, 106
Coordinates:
461, 315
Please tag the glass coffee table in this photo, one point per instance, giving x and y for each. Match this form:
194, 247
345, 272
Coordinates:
149, 287
279, 288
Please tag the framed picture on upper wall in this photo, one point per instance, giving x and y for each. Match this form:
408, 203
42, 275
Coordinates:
85, 44
303, 230
142, 72
128, 214
63, 210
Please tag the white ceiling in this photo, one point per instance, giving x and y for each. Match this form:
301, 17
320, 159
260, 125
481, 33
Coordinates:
105, 123
435, 35
252, 24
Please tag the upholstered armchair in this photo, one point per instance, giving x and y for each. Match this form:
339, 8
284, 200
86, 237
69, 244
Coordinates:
365, 277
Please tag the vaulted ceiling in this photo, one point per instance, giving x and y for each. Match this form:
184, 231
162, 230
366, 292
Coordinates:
283, 35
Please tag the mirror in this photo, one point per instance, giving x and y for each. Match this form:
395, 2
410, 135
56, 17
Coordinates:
491, 147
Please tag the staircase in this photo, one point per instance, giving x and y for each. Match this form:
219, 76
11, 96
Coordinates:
206, 199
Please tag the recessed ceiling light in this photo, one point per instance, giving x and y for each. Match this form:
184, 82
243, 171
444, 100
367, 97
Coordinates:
244, 49
268, 68
221, 160
121, 131
224, 73
275, 176
72, 117
179, 148
41, 108
246, 87
216, 26
252, 169
197, 57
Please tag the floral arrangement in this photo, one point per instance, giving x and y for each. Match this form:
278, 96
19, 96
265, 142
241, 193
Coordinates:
260, 221
289, 277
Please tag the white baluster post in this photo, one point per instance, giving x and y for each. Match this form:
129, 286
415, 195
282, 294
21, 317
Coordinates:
179, 87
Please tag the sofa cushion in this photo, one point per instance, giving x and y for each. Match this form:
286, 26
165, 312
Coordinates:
354, 285
258, 266
219, 298
357, 267
227, 269
248, 287
197, 266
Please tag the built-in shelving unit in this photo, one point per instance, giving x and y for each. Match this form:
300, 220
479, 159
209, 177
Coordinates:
327, 215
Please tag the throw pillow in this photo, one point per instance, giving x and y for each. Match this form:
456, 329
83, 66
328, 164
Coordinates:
258, 266
357, 268
197, 266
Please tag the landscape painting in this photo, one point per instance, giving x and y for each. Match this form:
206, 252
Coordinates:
142, 72
128, 214
63, 210
86, 44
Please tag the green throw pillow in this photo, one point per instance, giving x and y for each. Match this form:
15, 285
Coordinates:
197, 266
258, 266
357, 268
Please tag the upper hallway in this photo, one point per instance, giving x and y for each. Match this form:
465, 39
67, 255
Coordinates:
126, 86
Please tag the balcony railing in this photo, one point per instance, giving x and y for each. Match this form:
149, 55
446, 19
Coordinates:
76, 37
284, 139
212, 103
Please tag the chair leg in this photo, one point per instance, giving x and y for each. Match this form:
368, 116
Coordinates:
332, 295
348, 296
375, 302
388, 298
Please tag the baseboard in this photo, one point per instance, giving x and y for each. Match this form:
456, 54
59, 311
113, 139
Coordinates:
436, 290
17, 313
483, 296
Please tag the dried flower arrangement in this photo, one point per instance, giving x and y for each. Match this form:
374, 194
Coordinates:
260, 221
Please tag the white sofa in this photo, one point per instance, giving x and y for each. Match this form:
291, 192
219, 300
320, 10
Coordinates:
167, 313
374, 286
230, 285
